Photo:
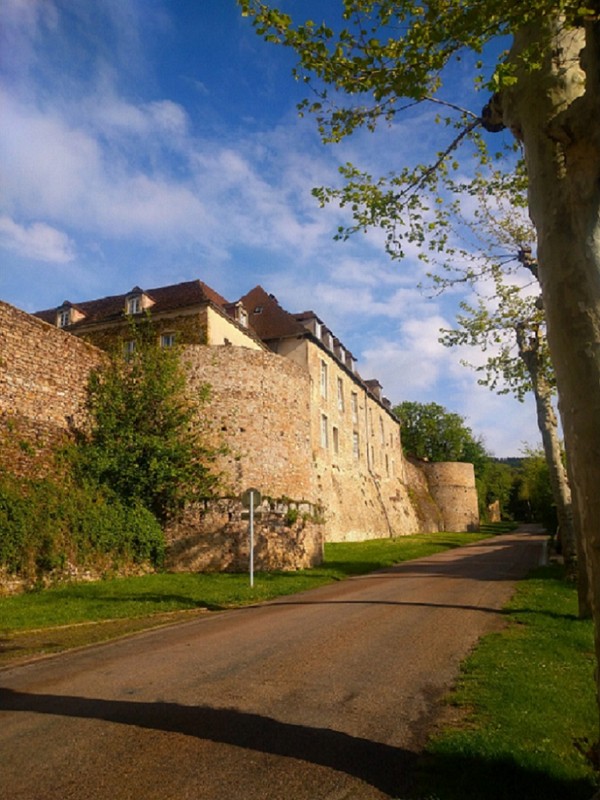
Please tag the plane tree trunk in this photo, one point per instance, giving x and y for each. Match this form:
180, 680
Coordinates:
529, 348
554, 111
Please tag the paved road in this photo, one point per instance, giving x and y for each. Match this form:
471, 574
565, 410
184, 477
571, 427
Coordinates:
327, 694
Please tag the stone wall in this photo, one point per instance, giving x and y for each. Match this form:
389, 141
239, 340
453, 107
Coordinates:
215, 538
43, 375
452, 487
270, 413
259, 408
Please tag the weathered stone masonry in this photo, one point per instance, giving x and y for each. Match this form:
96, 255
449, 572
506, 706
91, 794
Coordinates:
43, 375
301, 427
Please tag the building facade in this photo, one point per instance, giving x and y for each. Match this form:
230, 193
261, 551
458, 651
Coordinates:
300, 424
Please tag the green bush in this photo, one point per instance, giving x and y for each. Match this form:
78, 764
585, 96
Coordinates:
144, 442
44, 525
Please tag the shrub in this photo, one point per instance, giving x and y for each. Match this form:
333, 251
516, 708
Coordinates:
45, 525
143, 442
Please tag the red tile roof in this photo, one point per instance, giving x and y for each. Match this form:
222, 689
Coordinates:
268, 318
166, 298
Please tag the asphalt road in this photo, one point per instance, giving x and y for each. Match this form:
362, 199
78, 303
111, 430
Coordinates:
328, 694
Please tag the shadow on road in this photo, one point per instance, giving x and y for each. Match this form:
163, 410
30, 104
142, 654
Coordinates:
380, 765
390, 770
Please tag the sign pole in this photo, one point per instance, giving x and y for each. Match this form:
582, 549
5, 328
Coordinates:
251, 498
251, 538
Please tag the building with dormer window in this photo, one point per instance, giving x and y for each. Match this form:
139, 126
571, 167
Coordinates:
287, 400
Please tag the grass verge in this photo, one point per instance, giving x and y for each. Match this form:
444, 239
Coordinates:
526, 704
69, 615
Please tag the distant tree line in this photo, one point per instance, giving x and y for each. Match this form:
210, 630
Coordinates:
519, 486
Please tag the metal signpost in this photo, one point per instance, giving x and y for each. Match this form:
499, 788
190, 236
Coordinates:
250, 498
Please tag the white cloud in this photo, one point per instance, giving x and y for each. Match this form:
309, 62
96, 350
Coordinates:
98, 151
410, 365
160, 120
37, 241
64, 173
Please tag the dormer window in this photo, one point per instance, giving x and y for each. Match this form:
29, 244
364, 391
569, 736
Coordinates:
68, 314
137, 301
134, 304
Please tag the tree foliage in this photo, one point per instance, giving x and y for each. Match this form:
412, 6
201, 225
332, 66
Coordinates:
508, 325
534, 490
374, 62
144, 443
54, 526
495, 481
430, 431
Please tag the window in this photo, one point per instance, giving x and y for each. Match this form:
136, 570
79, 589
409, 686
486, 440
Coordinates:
355, 445
129, 347
167, 340
323, 379
324, 432
134, 304
381, 430
354, 404
64, 318
336, 441
387, 465
340, 394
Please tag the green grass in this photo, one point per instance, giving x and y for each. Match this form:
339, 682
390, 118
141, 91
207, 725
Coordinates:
148, 595
527, 697
524, 698
493, 528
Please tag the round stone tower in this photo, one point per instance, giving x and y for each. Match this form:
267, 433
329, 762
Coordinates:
452, 488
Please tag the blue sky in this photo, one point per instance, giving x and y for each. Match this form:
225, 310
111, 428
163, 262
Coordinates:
147, 143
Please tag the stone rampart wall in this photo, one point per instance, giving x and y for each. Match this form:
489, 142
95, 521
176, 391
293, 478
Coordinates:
267, 412
215, 538
452, 487
43, 375
259, 408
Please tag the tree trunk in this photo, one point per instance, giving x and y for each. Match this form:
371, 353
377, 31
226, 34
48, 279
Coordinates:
554, 111
529, 345
572, 546
561, 491
584, 588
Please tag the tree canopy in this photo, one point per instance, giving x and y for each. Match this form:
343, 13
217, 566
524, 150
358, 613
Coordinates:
429, 431
144, 443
